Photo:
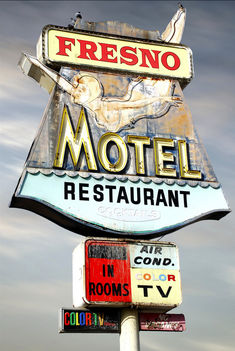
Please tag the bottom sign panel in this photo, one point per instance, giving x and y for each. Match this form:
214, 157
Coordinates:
86, 321
162, 322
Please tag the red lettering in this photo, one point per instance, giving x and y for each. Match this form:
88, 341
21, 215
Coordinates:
63, 46
132, 57
171, 277
176, 59
154, 62
106, 52
88, 318
87, 50
66, 318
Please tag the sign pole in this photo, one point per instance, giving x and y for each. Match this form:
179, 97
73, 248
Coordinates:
129, 335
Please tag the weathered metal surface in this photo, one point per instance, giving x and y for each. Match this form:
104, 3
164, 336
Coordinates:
161, 322
122, 146
171, 119
72, 320
126, 273
121, 29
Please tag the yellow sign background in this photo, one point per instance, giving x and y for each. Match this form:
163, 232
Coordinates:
154, 296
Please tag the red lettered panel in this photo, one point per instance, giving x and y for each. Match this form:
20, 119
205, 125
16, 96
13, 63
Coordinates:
107, 272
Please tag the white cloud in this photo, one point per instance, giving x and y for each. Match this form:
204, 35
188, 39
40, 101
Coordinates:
13, 170
227, 275
210, 234
9, 251
16, 134
20, 237
14, 85
209, 346
212, 116
29, 297
20, 225
188, 343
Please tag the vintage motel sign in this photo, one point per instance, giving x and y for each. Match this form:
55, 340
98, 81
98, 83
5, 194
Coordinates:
116, 152
72, 320
118, 273
161, 322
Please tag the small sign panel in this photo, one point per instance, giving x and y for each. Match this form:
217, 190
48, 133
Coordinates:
162, 322
86, 321
119, 273
155, 273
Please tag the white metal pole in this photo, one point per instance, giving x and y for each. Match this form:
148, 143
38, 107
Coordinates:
129, 336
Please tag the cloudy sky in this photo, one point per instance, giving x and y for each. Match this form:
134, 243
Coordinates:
36, 278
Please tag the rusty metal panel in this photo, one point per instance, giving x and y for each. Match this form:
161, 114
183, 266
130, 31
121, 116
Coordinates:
161, 322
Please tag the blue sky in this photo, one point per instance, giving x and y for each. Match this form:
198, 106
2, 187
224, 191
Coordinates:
35, 254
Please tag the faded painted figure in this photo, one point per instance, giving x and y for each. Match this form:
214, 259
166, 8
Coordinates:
144, 98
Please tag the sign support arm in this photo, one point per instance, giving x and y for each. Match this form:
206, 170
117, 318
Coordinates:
129, 335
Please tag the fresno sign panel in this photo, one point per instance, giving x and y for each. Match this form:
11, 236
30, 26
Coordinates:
63, 46
121, 273
117, 153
